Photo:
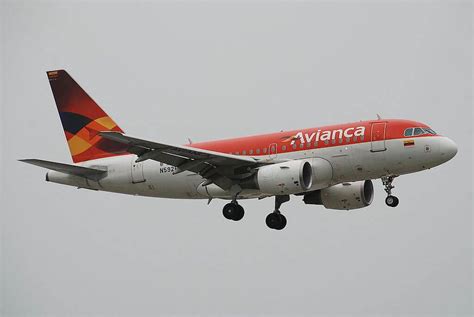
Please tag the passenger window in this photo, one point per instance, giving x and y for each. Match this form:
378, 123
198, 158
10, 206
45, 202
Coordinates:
250, 152
264, 150
333, 141
340, 141
348, 140
283, 147
308, 145
301, 145
257, 151
294, 146
316, 144
355, 139
326, 142
408, 132
244, 152
418, 131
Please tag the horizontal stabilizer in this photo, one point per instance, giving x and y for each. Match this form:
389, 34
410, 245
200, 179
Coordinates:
86, 172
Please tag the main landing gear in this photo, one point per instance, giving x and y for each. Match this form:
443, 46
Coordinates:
233, 211
391, 201
276, 220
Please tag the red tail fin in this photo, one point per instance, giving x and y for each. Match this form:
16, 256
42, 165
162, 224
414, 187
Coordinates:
82, 120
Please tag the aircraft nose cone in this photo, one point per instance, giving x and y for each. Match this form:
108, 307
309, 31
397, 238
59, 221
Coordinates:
448, 149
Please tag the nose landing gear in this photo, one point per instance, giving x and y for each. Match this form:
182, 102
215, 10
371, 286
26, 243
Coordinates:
391, 201
276, 220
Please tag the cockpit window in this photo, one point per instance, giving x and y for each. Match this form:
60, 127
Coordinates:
408, 132
429, 131
418, 131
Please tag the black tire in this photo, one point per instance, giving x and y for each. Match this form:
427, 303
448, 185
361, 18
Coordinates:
229, 210
276, 221
395, 202
272, 220
282, 223
392, 201
238, 213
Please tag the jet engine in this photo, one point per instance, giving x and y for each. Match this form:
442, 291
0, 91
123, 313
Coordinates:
345, 196
322, 173
284, 178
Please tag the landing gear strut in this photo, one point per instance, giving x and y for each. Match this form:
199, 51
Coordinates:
276, 220
233, 211
391, 201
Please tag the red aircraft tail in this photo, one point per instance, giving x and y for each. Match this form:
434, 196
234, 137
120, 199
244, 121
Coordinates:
82, 120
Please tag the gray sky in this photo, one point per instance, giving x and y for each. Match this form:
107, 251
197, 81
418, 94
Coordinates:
168, 71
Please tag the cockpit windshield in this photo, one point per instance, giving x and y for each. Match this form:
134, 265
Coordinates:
418, 131
429, 131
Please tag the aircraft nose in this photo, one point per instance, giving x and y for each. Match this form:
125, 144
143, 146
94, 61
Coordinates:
448, 149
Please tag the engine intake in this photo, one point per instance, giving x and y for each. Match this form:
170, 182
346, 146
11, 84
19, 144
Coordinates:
345, 196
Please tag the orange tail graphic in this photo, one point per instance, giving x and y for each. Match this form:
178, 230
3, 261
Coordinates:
82, 120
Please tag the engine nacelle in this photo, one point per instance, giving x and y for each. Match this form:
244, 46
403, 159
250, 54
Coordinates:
343, 196
322, 173
285, 178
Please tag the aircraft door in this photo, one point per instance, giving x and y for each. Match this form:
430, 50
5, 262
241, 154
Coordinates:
377, 136
137, 172
272, 150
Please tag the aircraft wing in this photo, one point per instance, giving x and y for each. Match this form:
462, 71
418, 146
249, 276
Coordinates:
217, 167
87, 172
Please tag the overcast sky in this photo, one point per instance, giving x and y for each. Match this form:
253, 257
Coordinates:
169, 71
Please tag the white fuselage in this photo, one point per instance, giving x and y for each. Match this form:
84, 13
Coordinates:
352, 162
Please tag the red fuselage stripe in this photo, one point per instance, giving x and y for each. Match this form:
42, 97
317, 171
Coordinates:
322, 137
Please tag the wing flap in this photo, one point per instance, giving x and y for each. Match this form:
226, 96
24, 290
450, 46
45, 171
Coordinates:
86, 172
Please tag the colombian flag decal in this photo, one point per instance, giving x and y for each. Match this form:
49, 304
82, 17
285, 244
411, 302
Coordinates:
409, 143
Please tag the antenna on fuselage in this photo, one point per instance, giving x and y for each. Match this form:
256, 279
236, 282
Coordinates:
379, 117
190, 141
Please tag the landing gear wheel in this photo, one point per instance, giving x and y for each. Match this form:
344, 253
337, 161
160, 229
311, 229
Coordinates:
239, 213
229, 210
233, 211
392, 201
276, 221
282, 223
272, 220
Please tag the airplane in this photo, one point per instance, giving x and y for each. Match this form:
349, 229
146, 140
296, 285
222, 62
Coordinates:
332, 166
